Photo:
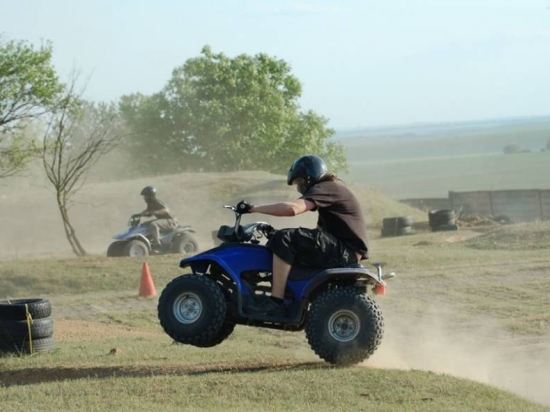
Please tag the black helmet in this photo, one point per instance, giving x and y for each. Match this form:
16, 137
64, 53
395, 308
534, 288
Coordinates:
149, 191
311, 168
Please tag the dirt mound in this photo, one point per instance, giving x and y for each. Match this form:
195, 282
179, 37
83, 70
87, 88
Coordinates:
32, 226
522, 236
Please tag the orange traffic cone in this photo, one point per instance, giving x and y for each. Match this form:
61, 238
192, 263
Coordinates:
146, 286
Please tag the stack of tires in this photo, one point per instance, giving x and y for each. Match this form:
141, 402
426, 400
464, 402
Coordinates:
397, 226
26, 326
442, 220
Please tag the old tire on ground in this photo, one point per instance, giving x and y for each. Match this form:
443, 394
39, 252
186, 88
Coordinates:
18, 330
186, 244
396, 232
344, 326
135, 248
503, 219
23, 346
444, 228
441, 217
396, 226
192, 310
396, 222
115, 249
15, 309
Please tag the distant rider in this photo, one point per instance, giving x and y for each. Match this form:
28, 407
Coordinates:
339, 239
163, 222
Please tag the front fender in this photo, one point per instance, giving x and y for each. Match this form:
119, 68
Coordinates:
143, 239
234, 259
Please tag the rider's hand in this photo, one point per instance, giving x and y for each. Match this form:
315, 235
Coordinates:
243, 207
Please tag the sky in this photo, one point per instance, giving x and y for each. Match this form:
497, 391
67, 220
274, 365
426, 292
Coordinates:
362, 63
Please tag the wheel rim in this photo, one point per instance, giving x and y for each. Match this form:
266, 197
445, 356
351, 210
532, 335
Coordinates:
188, 247
137, 251
344, 325
187, 308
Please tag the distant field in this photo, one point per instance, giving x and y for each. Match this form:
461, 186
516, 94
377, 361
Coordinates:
416, 142
422, 162
403, 178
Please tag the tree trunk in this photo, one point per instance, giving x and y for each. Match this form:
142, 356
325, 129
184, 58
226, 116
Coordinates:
70, 232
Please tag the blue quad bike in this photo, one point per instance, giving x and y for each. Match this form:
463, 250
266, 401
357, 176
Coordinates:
343, 325
135, 242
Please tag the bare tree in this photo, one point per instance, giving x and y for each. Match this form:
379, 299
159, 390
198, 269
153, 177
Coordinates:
78, 134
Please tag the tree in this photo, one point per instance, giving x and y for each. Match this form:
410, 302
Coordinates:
29, 88
78, 134
221, 114
512, 148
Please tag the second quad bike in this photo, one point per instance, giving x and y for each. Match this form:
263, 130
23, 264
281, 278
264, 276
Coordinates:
135, 242
342, 323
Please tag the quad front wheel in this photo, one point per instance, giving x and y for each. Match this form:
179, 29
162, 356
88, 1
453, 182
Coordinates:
192, 310
135, 248
344, 326
186, 244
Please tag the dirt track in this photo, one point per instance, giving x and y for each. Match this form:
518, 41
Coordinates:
431, 340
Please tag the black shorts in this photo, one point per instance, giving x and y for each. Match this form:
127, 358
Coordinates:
311, 247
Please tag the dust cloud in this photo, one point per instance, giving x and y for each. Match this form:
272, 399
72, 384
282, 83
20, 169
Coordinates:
482, 351
32, 226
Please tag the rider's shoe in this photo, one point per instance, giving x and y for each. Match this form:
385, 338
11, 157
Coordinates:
156, 249
267, 307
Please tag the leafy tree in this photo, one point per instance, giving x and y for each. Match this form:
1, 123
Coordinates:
512, 148
78, 134
221, 114
29, 88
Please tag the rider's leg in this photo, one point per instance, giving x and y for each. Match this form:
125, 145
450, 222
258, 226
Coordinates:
281, 269
154, 232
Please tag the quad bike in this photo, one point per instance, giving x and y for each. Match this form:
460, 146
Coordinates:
342, 324
134, 241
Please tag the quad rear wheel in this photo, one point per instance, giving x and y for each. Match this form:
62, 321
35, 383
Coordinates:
115, 249
192, 311
344, 326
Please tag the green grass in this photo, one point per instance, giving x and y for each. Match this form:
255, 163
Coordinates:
258, 369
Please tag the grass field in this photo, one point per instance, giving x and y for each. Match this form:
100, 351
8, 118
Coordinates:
467, 329
421, 166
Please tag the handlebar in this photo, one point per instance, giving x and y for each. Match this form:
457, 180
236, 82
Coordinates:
244, 233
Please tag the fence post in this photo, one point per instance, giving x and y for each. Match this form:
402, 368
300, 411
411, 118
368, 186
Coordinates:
540, 205
491, 203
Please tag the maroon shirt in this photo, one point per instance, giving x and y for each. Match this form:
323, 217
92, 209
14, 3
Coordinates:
340, 214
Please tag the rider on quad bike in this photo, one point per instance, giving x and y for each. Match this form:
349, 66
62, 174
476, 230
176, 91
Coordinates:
339, 239
316, 271
163, 221
159, 236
